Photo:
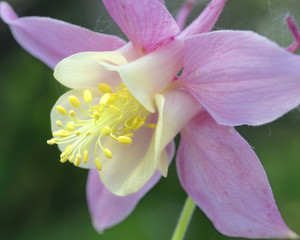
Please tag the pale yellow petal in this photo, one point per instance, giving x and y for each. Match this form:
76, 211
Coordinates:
83, 69
176, 107
131, 165
151, 73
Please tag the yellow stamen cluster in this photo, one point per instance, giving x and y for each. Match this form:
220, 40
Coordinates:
116, 115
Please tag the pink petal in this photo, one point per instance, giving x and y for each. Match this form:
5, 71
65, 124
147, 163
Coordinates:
52, 40
241, 77
222, 174
107, 209
207, 19
184, 12
147, 23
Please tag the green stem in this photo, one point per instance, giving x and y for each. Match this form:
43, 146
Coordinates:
184, 220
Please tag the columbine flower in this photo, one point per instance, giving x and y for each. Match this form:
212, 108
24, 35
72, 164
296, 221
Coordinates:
126, 105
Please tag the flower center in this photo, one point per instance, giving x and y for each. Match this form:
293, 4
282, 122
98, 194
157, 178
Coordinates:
117, 115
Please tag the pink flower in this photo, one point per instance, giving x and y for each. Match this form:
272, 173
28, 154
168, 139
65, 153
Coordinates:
229, 78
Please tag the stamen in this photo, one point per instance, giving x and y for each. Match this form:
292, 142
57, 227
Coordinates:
74, 101
130, 135
125, 140
96, 115
96, 107
106, 131
87, 96
71, 159
139, 124
116, 116
77, 160
104, 99
61, 110
85, 156
104, 88
69, 149
115, 108
70, 126
59, 123
107, 153
64, 159
77, 133
98, 164
72, 113
52, 141
150, 125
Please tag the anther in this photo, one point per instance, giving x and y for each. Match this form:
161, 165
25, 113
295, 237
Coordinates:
104, 88
59, 123
96, 107
88, 133
70, 126
77, 160
87, 96
61, 134
72, 113
64, 159
132, 122
61, 110
85, 156
139, 124
112, 98
106, 131
115, 108
74, 101
62, 155
52, 141
104, 99
107, 153
96, 115
57, 133
122, 95
149, 125
71, 159
130, 135
98, 164
125, 140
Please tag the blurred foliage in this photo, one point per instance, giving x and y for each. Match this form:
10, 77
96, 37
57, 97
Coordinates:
44, 199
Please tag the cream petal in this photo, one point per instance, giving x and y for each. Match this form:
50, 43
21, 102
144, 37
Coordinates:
131, 166
83, 69
152, 73
176, 108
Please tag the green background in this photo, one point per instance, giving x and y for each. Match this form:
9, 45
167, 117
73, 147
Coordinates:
44, 199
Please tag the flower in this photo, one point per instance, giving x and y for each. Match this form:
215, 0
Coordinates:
127, 104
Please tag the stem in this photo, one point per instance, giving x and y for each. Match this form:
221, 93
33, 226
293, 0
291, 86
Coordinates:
184, 220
